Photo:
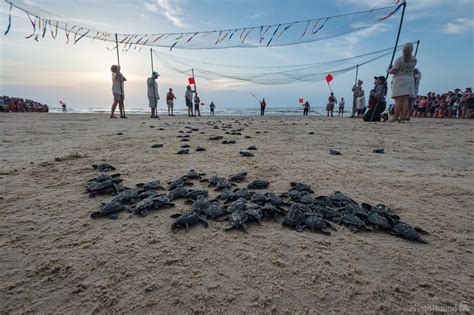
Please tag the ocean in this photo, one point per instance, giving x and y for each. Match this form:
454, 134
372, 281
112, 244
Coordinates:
273, 111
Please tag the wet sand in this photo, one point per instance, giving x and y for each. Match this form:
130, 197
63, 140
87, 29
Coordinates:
56, 259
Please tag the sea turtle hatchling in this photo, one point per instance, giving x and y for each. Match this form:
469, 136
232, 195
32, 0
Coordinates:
151, 185
301, 187
187, 220
103, 167
128, 195
316, 223
294, 218
109, 210
242, 193
192, 174
353, 221
178, 192
238, 177
408, 232
109, 186
214, 211
183, 151
238, 220
258, 184
214, 180
103, 177
223, 184
245, 154
258, 198
193, 194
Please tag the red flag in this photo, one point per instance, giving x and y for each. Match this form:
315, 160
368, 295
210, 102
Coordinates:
191, 80
301, 100
329, 78
202, 104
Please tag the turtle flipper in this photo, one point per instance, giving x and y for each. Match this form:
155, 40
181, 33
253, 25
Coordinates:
204, 222
330, 226
421, 231
175, 216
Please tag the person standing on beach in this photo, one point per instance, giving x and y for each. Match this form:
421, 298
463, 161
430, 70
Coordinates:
63, 105
412, 99
152, 92
331, 102
341, 107
212, 107
403, 84
118, 91
306, 108
170, 101
188, 96
197, 102
357, 91
263, 105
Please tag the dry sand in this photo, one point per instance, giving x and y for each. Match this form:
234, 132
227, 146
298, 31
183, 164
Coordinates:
56, 259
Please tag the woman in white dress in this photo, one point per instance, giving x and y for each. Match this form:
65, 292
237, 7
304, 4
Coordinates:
360, 104
403, 84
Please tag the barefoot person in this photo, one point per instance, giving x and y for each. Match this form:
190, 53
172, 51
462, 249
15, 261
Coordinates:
331, 102
306, 108
263, 105
152, 92
197, 102
170, 101
118, 91
188, 96
403, 84
341, 107
357, 91
212, 106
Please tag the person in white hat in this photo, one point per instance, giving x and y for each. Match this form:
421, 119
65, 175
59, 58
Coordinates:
152, 92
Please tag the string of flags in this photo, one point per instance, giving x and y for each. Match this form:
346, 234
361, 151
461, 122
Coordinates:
281, 34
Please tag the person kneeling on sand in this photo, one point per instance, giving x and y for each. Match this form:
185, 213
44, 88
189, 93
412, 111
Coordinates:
377, 102
152, 91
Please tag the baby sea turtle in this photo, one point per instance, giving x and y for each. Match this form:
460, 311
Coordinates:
200, 149
238, 205
178, 192
128, 195
407, 231
258, 184
108, 210
186, 220
252, 147
258, 198
146, 194
229, 142
254, 214
245, 154
353, 221
192, 174
238, 177
185, 146
380, 151
238, 220
214, 180
227, 196
378, 221
103, 167
301, 187
194, 194
323, 201
274, 199
294, 218
271, 211
295, 194
306, 198
152, 203
316, 223
214, 211
201, 204
109, 186
156, 145
151, 185
214, 138
183, 151
223, 184
242, 193
334, 152
326, 212
182, 181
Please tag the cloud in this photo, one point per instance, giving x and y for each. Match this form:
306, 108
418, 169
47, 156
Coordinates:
151, 7
171, 10
460, 25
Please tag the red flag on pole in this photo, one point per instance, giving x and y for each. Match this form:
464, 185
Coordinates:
301, 100
329, 78
191, 80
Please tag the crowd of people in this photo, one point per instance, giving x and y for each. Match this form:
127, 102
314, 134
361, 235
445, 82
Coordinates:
16, 104
453, 104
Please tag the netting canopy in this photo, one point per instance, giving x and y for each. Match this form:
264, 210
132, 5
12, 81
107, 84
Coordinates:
268, 75
282, 34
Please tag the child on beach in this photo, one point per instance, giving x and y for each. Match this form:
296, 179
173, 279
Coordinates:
170, 102
188, 96
197, 102
341, 107
118, 91
212, 107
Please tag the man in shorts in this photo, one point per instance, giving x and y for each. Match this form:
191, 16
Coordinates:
188, 96
152, 92
197, 102
170, 101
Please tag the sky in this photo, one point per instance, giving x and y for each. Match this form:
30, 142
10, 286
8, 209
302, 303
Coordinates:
51, 70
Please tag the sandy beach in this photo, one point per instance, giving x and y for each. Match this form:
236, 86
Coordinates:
56, 259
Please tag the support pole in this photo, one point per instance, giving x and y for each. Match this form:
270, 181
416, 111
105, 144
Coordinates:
154, 90
416, 49
195, 90
357, 74
404, 4
120, 77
